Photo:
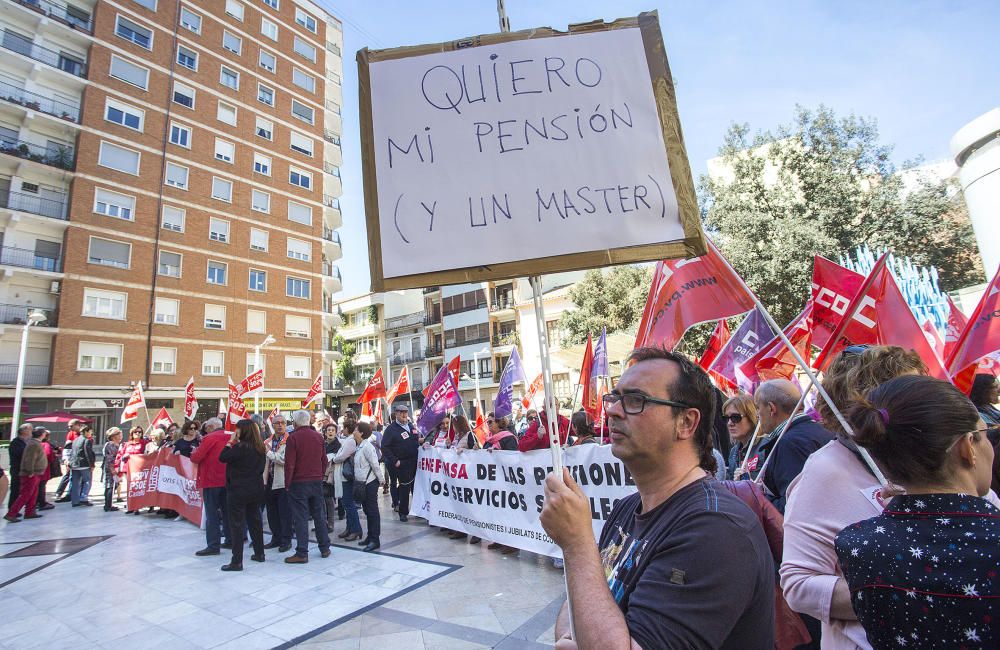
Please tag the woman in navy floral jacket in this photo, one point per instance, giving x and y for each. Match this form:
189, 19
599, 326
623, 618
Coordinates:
923, 574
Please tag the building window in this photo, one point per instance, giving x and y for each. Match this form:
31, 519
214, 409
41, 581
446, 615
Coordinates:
261, 201
303, 112
304, 49
226, 113
265, 129
99, 357
258, 280
299, 327
165, 311
164, 361
299, 213
232, 42
98, 303
173, 218
304, 19
118, 158
265, 95
190, 20
215, 317
229, 78
218, 230
183, 95
262, 164
112, 204
225, 151
273, 4
106, 252
297, 287
187, 58
256, 322
258, 240
301, 143
123, 114
267, 61
129, 72
180, 135
148, 4
300, 178
303, 80
222, 189
130, 31
216, 273
235, 9
212, 362
177, 176
251, 360
170, 264
299, 250
296, 367
269, 29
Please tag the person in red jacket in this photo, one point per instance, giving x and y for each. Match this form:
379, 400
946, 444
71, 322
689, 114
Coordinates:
537, 434
212, 482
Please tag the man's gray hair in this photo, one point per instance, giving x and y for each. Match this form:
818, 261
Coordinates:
782, 393
301, 418
26, 428
278, 417
215, 423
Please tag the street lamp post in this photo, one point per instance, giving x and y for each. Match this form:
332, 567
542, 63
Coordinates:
256, 366
34, 318
475, 364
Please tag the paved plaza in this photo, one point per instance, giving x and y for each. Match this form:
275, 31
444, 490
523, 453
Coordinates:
81, 577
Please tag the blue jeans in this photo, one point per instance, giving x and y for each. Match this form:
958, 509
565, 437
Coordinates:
216, 517
79, 485
351, 508
307, 503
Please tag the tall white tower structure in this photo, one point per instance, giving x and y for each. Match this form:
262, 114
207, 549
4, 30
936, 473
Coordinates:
976, 148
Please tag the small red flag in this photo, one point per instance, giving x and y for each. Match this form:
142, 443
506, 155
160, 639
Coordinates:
316, 390
402, 385
588, 400
533, 390
162, 418
981, 337
374, 389
833, 286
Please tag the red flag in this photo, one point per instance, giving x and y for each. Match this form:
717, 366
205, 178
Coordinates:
453, 367
956, 323
274, 414
137, 400
374, 389
237, 410
190, 403
688, 292
162, 418
933, 337
880, 316
316, 390
402, 385
718, 340
533, 389
775, 360
366, 409
481, 431
251, 383
981, 337
833, 286
589, 400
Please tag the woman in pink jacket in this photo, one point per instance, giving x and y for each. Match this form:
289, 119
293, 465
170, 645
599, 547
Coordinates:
135, 446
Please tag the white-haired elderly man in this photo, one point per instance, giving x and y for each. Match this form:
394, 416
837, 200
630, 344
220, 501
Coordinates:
305, 467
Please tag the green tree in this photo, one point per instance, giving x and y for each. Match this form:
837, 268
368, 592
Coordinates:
824, 185
345, 370
611, 298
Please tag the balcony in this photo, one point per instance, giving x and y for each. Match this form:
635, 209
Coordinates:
17, 43
331, 201
35, 102
432, 351
10, 256
72, 17
407, 357
409, 320
18, 315
501, 303
331, 236
32, 204
33, 375
333, 106
60, 156
332, 351
432, 319
431, 290
506, 339
331, 137
367, 358
331, 169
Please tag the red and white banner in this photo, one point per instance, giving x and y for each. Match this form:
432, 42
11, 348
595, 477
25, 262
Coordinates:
375, 388
162, 418
190, 403
315, 391
718, 340
237, 409
981, 337
135, 402
401, 386
251, 383
536, 386
164, 480
956, 324
833, 286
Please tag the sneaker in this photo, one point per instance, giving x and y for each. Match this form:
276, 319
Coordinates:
207, 551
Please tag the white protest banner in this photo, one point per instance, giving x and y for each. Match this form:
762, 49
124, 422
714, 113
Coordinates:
498, 495
524, 153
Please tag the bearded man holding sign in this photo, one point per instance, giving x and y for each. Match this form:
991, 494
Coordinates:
652, 575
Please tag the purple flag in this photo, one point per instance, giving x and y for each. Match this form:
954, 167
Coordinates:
511, 372
600, 367
752, 334
442, 395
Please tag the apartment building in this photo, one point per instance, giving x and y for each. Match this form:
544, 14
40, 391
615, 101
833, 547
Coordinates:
169, 183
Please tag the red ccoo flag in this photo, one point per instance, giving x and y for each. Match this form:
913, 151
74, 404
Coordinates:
401, 386
981, 337
375, 388
136, 401
688, 292
316, 390
237, 410
833, 286
956, 323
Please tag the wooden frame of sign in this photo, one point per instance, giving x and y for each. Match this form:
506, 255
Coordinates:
691, 243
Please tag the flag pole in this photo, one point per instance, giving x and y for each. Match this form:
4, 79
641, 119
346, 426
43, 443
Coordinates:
865, 456
551, 413
760, 473
409, 391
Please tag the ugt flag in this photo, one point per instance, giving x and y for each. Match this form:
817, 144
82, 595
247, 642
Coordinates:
375, 388
980, 338
752, 334
136, 401
505, 398
442, 395
190, 403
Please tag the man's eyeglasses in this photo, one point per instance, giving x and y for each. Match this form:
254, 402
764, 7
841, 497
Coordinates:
735, 418
634, 403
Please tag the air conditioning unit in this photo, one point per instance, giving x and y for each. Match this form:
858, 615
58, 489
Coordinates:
54, 287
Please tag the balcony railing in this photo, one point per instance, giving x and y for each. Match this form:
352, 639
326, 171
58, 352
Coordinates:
331, 235
432, 319
34, 204
333, 106
508, 338
331, 270
331, 169
331, 201
61, 13
407, 357
28, 259
61, 157
499, 304
18, 315
432, 351
40, 103
409, 320
331, 137
33, 375
17, 43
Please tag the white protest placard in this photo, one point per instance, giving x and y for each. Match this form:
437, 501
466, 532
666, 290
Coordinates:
522, 153
498, 495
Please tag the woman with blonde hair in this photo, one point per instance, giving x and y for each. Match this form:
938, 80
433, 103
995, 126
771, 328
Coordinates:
740, 416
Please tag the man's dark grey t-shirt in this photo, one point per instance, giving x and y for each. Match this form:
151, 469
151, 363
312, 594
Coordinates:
694, 572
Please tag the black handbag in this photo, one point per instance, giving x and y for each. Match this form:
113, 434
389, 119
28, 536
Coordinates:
360, 489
